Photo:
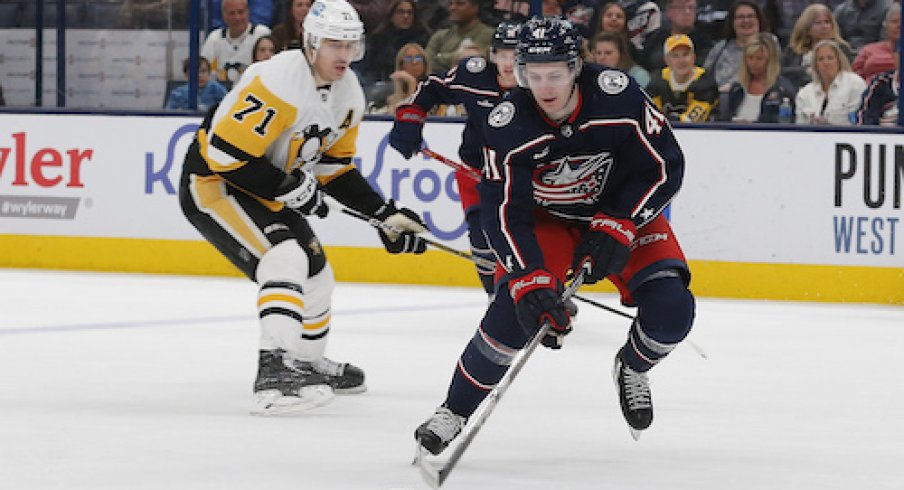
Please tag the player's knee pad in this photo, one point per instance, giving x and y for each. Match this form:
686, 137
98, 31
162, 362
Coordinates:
665, 309
286, 261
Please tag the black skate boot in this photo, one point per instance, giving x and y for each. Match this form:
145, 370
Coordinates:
343, 378
439, 430
284, 388
634, 394
571, 308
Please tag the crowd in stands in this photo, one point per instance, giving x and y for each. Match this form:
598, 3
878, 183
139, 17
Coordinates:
789, 61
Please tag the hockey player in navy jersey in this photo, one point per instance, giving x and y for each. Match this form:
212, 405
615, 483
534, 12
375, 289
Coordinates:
478, 84
580, 165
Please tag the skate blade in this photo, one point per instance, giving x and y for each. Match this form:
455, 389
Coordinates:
273, 402
354, 390
429, 472
635, 433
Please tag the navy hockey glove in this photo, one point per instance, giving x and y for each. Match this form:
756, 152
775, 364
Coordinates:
405, 221
537, 296
606, 245
405, 135
301, 192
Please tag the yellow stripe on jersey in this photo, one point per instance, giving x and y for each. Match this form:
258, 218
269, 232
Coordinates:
346, 146
280, 297
212, 164
318, 325
210, 196
255, 120
325, 179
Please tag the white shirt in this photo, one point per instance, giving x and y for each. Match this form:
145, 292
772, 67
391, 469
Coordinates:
229, 56
749, 109
843, 98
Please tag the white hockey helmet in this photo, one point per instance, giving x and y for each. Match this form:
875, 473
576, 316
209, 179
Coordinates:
333, 19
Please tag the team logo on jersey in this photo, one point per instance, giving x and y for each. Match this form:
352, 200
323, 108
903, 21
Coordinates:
573, 179
501, 115
476, 64
612, 81
311, 142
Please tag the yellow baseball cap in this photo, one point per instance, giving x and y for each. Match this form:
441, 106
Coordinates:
678, 40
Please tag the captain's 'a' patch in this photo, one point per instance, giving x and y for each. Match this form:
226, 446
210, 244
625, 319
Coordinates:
501, 115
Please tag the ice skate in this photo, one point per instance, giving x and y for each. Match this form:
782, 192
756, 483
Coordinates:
282, 388
634, 395
439, 430
343, 378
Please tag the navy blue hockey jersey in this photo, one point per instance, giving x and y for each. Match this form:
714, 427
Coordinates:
472, 83
615, 154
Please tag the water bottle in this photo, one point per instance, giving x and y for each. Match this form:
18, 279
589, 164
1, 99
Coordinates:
785, 114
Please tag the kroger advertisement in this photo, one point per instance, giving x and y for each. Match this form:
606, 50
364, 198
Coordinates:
762, 197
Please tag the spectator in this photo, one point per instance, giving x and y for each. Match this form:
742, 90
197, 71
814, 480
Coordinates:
711, 17
644, 17
745, 22
681, 15
814, 25
614, 18
879, 105
264, 49
442, 49
683, 91
411, 67
230, 49
860, 21
372, 12
402, 26
834, 94
260, 12
210, 91
583, 14
760, 89
289, 31
611, 49
510, 10
879, 57
551, 8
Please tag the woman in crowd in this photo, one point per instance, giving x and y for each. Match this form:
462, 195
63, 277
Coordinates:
289, 30
745, 21
401, 26
611, 49
411, 67
760, 89
264, 49
614, 18
879, 57
835, 90
815, 24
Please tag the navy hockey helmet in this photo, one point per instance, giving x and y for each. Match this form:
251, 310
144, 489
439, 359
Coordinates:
548, 40
506, 35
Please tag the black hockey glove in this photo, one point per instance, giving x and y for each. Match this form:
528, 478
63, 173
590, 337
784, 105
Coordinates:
405, 135
408, 224
301, 192
606, 245
537, 296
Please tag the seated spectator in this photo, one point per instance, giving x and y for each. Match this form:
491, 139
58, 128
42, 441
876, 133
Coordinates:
879, 105
614, 18
712, 16
551, 8
611, 49
264, 49
745, 21
230, 49
412, 68
583, 14
402, 26
760, 89
210, 91
877, 57
681, 15
442, 49
290, 29
860, 21
644, 17
259, 12
683, 91
835, 90
814, 25
371, 12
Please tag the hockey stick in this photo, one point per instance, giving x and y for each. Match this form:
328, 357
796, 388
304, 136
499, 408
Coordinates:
436, 476
468, 170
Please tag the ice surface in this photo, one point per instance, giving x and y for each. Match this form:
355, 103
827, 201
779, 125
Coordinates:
113, 381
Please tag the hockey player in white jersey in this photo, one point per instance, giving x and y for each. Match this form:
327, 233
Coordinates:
262, 161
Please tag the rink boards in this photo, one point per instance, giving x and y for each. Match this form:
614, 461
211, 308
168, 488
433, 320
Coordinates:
763, 214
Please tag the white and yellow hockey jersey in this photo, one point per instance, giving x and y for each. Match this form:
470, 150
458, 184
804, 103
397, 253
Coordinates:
229, 57
276, 114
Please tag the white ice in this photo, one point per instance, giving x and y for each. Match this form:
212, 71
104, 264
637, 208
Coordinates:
116, 381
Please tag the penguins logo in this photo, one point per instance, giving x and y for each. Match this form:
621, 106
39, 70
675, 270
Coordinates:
311, 144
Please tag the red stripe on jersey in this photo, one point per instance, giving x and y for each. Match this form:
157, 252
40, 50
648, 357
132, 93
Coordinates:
477, 384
